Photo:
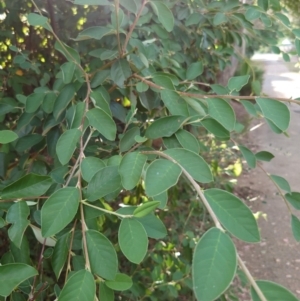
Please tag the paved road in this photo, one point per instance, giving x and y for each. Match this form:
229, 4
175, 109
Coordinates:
277, 257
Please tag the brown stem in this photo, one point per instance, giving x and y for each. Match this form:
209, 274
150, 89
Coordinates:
128, 36
84, 229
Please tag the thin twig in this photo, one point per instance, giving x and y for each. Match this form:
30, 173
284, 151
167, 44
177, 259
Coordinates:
277, 187
106, 211
213, 216
84, 229
128, 36
70, 248
205, 96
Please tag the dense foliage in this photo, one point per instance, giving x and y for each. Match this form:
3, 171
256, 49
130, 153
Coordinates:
104, 105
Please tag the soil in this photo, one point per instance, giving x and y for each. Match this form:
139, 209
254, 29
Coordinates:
277, 256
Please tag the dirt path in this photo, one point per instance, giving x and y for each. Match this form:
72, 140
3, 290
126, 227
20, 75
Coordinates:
277, 257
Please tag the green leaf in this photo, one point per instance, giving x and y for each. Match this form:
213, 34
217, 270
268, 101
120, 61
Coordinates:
133, 240
248, 155
102, 255
277, 112
33, 102
59, 210
120, 71
67, 70
66, 145
295, 224
11, 275
252, 14
102, 122
188, 141
264, 4
294, 199
164, 127
154, 227
63, 99
70, 53
17, 215
273, 292
196, 105
174, 102
128, 140
91, 2
236, 83
79, 287
160, 176
249, 106
31, 185
264, 156
105, 293
142, 87
219, 19
163, 81
216, 255
164, 15
162, 198
234, 215
281, 182
36, 20
104, 182
222, 112
194, 70
192, 163
7, 136
122, 282
131, 168
94, 32
90, 166
283, 18
100, 101
145, 208
60, 254
216, 128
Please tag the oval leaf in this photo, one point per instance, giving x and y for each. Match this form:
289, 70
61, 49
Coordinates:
103, 123
60, 254
66, 145
221, 111
7, 136
248, 155
63, 99
276, 111
79, 287
131, 168
188, 141
31, 185
294, 199
194, 70
104, 182
164, 127
146, 208
11, 275
90, 166
236, 83
133, 240
160, 176
264, 156
102, 255
281, 182
192, 163
59, 210
273, 292
216, 255
295, 223
234, 215
122, 282
164, 15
